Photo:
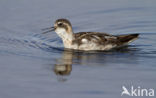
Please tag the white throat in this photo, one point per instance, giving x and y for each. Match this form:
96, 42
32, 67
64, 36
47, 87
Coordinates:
67, 37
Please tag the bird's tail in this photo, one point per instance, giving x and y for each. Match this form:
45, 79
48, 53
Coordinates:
125, 39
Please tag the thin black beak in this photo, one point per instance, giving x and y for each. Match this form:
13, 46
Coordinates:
50, 29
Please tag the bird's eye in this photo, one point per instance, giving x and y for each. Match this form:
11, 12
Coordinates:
60, 24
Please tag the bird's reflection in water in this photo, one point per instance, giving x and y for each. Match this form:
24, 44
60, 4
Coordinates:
62, 70
63, 67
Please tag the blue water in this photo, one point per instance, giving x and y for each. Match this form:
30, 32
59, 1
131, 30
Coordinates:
35, 65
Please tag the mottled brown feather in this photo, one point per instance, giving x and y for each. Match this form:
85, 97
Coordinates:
125, 39
101, 38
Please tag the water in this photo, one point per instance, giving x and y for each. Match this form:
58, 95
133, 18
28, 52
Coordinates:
33, 65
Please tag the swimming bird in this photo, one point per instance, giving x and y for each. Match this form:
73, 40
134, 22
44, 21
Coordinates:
88, 40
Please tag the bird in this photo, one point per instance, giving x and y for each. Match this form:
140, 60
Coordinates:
87, 41
125, 91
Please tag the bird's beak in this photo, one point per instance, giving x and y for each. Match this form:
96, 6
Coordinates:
47, 30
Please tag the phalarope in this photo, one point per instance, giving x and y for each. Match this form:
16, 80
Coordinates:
88, 40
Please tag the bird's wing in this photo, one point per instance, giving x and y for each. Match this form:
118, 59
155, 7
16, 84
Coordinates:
104, 38
100, 38
125, 39
80, 34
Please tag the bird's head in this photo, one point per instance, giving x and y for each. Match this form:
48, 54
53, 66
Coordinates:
61, 27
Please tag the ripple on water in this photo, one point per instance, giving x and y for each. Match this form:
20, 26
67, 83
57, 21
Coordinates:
40, 42
38, 45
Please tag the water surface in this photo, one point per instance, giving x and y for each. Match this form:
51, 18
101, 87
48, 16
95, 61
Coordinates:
33, 65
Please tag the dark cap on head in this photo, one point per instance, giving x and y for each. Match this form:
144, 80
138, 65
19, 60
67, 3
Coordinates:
62, 20
63, 23
60, 23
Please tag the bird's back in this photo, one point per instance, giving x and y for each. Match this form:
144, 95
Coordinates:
101, 41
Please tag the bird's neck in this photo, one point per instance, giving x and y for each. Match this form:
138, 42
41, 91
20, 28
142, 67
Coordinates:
67, 37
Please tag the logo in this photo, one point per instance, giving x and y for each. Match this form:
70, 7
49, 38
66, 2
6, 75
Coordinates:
137, 91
